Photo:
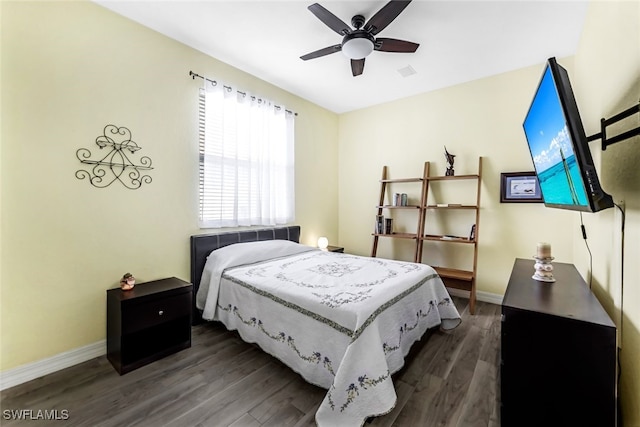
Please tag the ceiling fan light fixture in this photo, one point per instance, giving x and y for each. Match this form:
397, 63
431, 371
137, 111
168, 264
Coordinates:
358, 42
357, 47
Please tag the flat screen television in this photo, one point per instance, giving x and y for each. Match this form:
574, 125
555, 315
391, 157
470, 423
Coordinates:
559, 147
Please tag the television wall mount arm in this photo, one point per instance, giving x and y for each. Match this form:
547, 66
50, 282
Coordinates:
621, 137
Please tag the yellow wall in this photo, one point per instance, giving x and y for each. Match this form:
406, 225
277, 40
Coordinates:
479, 118
68, 70
483, 118
606, 82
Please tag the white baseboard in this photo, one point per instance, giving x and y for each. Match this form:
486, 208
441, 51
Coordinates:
31, 371
480, 296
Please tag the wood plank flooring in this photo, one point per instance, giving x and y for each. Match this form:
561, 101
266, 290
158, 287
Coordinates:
449, 379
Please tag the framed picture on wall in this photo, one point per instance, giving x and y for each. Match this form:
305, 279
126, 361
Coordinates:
520, 187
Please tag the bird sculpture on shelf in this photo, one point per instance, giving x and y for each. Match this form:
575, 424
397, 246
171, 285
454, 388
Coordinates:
450, 158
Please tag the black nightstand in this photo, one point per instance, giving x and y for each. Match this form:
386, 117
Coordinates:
148, 322
335, 249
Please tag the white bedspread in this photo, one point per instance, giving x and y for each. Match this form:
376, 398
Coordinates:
343, 322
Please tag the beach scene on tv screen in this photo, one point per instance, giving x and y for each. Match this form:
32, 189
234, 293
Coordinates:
552, 149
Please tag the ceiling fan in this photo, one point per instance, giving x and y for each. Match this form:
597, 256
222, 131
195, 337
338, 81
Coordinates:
359, 42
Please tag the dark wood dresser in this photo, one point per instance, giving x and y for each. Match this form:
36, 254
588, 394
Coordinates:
148, 322
558, 351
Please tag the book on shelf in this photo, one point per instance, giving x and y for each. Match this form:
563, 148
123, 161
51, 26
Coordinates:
400, 199
388, 225
379, 228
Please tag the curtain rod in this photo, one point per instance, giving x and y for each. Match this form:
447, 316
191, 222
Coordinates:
229, 88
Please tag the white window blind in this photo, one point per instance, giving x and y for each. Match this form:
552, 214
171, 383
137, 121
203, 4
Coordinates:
246, 160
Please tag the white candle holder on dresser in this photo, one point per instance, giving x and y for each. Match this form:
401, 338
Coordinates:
543, 269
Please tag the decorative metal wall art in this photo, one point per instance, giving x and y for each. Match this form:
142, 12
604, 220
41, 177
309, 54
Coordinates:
116, 161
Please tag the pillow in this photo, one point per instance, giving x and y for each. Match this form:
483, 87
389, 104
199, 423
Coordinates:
235, 255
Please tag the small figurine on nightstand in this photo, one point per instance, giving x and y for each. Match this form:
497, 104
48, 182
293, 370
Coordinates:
450, 158
127, 282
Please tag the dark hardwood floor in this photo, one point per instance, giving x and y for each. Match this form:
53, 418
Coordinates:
449, 379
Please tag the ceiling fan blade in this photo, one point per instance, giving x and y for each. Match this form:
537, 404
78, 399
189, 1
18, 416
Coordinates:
357, 66
330, 20
394, 45
385, 16
322, 52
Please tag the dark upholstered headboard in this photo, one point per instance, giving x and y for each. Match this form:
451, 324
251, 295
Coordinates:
203, 244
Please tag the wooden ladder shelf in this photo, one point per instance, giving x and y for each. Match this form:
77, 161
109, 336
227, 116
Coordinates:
453, 278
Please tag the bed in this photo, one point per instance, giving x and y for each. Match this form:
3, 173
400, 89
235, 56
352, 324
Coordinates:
343, 322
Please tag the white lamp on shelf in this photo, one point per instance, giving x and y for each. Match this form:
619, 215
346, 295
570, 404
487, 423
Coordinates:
323, 242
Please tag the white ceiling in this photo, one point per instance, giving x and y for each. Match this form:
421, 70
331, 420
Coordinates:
459, 41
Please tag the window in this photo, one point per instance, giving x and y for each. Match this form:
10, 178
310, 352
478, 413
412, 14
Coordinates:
246, 160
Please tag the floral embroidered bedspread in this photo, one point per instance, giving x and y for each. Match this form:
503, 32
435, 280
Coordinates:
343, 322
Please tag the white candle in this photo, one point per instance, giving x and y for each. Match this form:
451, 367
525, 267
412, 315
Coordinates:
543, 250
